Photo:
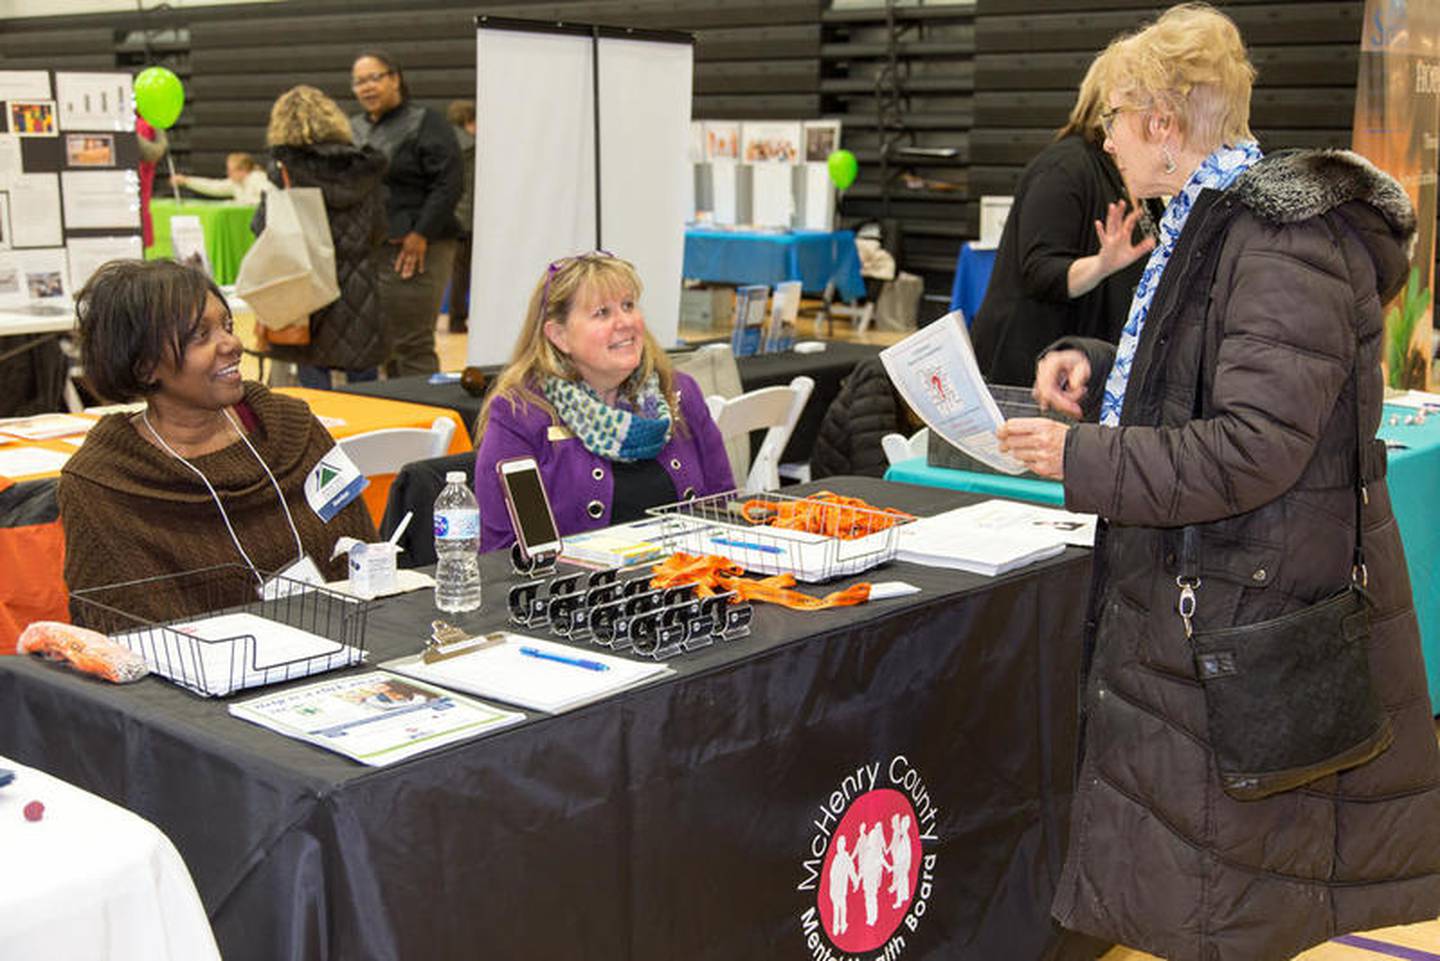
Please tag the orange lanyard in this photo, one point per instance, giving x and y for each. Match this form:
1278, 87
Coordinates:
715, 575
847, 518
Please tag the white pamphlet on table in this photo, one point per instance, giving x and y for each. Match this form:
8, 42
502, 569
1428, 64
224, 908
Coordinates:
45, 426
961, 540
1003, 515
374, 718
24, 461
934, 369
534, 673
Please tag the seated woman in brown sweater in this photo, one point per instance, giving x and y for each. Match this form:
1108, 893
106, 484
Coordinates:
214, 470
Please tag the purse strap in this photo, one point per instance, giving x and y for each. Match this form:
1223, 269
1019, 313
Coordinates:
1189, 577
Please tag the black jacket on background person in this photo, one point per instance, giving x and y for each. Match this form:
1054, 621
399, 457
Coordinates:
1027, 305
348, 334
425, 178
865, 410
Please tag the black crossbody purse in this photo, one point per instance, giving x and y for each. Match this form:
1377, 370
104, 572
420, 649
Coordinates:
1289, 700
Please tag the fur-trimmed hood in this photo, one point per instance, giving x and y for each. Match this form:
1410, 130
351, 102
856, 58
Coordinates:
1293, 185
1290, 186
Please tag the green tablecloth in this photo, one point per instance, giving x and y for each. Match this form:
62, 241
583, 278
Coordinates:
226, 226
1413, 479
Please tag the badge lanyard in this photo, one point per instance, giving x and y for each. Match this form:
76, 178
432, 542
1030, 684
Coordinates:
299, 548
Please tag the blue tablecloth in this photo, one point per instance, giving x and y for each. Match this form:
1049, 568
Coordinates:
972, 276
813, 257
1413, 479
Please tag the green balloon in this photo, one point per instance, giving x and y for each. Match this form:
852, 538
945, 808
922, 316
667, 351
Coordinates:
843, 168
159, 96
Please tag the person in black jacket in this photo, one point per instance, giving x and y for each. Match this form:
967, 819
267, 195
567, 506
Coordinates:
1067, 263
311, 146
425, 182
866, 409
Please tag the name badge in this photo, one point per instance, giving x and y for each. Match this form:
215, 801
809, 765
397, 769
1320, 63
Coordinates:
556, 433
333, 483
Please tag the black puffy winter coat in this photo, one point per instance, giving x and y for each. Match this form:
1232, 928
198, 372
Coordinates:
348, 334
1274, 297
865, 410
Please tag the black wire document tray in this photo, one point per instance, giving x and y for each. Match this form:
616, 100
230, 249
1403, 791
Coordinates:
229, 638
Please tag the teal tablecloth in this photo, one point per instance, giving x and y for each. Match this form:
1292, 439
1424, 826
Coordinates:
226, 226
1414, 481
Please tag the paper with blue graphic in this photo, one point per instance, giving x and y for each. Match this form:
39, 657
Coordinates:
935, 371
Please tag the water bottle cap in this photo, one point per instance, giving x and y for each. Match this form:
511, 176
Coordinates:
454, 477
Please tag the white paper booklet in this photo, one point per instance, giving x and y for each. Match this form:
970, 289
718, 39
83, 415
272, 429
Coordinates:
243, 650
934, 369
374, 718
45, 426
623, 544
1003, 515
957, 539
534, 673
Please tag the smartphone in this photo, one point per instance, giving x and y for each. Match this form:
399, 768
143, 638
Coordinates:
529, 507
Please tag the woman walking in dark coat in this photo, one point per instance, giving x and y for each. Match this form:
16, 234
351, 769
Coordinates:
1230, 406
310, 143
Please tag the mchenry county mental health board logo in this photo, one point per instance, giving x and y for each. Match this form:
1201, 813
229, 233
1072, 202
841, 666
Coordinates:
867, 864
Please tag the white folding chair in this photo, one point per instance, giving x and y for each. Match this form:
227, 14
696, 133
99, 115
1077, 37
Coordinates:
386, 451
898, 447
776, 408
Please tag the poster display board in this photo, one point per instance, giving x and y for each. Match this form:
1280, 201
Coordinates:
584, 144
68, 176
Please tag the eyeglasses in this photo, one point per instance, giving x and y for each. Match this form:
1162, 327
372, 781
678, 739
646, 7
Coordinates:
357, 82
1107, 118
558, 267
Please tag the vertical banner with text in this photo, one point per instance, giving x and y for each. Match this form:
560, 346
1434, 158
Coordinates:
1397, 121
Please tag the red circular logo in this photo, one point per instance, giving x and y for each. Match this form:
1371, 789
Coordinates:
870, 871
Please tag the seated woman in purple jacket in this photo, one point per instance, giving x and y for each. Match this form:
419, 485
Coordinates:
591, 396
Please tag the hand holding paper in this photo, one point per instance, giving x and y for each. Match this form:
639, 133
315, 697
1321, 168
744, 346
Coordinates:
1037, 442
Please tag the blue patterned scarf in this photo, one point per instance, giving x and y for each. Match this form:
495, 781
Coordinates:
1216, 172
635, 432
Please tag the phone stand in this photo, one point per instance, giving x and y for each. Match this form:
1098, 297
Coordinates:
540, 565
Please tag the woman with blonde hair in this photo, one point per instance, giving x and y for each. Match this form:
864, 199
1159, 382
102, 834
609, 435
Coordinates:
1232, 807
1068, 256
591, 396
244, 182
311, 146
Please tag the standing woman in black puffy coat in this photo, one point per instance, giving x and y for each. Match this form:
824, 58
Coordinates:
310, 141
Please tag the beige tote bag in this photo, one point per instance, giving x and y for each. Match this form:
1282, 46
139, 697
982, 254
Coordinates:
289, 272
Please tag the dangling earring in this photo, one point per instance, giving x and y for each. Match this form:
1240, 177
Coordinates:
1169, 158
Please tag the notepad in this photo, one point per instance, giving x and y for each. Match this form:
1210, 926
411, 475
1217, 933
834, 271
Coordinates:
502, 672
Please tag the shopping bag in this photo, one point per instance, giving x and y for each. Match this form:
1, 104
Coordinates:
289, 272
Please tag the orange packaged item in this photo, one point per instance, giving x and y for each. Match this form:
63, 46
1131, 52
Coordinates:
84, 649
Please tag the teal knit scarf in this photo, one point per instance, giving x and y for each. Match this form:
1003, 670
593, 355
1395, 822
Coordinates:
635, 432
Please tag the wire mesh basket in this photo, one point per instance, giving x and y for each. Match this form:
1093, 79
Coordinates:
832, 539
228, 635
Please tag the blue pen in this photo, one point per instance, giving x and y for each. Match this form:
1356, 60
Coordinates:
747, 545
586, 663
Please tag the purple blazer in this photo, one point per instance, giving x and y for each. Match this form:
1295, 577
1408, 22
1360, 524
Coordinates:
579, 483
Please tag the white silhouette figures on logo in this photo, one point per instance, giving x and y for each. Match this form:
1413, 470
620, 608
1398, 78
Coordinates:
843, 878
900, 858
870, 859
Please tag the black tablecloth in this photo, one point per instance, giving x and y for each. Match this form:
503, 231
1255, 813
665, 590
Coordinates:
829, 368
686, 819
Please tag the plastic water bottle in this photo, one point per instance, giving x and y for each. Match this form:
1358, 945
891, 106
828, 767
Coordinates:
457, 542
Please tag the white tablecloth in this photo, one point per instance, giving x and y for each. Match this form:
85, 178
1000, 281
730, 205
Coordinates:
91, 881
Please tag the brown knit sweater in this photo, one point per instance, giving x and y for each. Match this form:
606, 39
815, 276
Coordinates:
132, 511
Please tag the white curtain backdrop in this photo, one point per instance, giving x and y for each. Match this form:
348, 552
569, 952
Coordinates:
535, 175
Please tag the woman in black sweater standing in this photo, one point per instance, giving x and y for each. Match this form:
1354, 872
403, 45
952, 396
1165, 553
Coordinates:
1067, 262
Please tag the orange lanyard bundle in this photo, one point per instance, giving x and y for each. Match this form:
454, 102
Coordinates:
715, 575
846, 518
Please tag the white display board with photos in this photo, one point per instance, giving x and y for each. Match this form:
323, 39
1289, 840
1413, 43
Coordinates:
67, 177
765, 174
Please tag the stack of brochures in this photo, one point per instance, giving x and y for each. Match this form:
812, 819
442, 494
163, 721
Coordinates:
963, 540
749, 319
638, 542
532, 672
374, 718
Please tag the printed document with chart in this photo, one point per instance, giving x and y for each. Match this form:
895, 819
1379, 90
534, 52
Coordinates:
934, 369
